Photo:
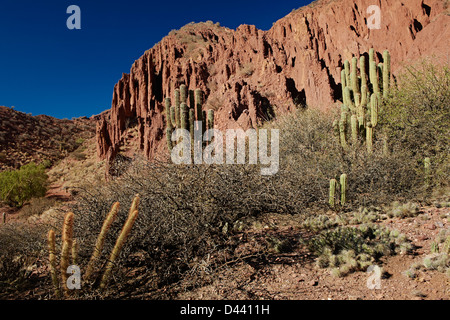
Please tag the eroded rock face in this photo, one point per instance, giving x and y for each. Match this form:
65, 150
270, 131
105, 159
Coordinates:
246, 73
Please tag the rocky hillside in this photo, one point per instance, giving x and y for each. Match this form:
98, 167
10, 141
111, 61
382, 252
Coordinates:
25, 138
249, 75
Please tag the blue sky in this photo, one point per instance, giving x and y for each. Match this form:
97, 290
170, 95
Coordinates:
45, 68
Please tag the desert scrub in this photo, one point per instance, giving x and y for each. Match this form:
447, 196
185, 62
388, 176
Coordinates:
405, 210
438, 259
365, 215
349, 249
416, 118
319, 223
21, 254
186, 213
310, 155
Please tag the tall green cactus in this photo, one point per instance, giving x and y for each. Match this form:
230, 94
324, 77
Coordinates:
374, 110
184, 116
354, 127
343, 183
177, 108
354, 76
183, 94
331, 199
362, 71
369, 137
347, 73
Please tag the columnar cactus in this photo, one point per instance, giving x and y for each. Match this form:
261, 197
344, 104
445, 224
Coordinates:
184, 116
347, 73
101, 239
52, 259
67, 238
177, 108
342, 131
374, 109
343, 183
362, 70
354, 126
125, 232
331, 199
183, 94
369, 137
354, 76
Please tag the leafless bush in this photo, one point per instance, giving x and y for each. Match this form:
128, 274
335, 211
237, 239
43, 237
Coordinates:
186, 212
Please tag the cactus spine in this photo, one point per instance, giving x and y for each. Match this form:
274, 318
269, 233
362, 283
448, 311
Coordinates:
343, 183
331, 199
132, 216
52, 259
67, 238
101, 238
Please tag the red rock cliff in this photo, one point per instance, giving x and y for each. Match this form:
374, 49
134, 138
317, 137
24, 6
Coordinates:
246, 72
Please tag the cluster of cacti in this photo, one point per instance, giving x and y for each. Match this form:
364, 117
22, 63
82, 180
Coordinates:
69, 248
348, 249
362, 95
343, 190
186, 113
438, 259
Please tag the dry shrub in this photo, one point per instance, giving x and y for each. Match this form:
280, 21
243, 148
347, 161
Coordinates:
416, 118
185, 213
310, 155
22, 246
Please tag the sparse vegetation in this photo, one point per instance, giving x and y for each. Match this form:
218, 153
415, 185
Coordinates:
21, 185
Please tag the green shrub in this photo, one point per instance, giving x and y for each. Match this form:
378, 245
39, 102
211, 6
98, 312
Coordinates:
416, 118
21, 185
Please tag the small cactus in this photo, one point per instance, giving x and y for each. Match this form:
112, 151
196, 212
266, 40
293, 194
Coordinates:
52, 259
343, 183
369, 137
67, 238
120, 241
331, 200
101, 238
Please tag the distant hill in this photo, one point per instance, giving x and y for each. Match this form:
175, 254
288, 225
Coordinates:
25, 138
